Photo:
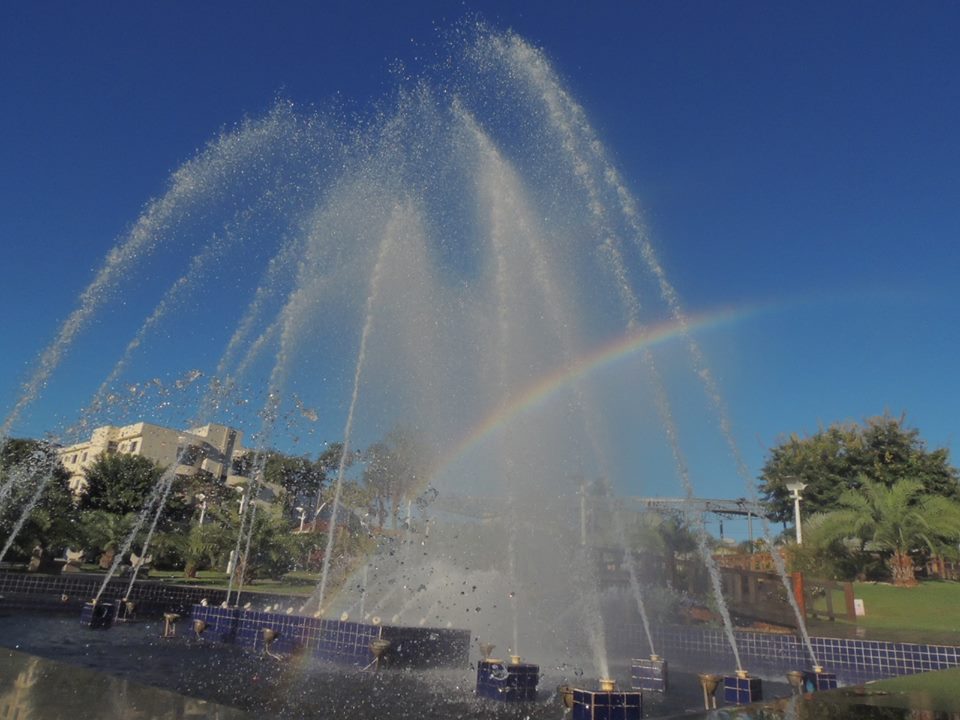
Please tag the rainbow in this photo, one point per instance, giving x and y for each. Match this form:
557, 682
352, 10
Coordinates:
603, 357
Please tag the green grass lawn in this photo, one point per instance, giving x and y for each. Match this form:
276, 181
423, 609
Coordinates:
929, 612
301, 584
934, 691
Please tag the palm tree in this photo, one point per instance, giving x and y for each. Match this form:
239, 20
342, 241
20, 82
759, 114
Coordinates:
894, 519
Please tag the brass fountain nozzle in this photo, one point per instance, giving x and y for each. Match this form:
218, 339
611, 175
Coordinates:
795, 678
742, 674
709, 682
818, 669
515, 659
655, 657
608, 684
199, 626
170, 624
269, 636
379, 648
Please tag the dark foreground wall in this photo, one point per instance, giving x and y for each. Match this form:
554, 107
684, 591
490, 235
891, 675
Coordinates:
343, 642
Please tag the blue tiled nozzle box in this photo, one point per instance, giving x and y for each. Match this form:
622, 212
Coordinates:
649, 674
739, 690
97, 615
814, 680
513, 682
607, 705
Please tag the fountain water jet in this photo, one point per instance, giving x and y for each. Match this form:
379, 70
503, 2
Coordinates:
502, 276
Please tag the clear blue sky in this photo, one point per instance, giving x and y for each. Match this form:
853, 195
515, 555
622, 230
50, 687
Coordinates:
803, 157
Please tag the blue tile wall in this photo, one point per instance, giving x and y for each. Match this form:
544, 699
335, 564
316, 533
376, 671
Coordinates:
599, 705
418, 647
853, 660
331, 640
153, 597
221, 622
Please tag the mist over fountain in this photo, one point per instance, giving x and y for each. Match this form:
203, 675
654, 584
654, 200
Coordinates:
423, 268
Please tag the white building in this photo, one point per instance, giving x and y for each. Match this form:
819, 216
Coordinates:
209, 448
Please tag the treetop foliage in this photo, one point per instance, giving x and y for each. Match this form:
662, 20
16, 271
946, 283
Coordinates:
24, 465
119, 483
844, 456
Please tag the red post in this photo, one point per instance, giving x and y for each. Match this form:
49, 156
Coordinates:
798, 592
851, 606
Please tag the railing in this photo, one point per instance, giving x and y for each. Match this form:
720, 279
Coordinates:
822, 599
761, 596
940, 567
758, 596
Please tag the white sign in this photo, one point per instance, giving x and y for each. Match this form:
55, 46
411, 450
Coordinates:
858, 607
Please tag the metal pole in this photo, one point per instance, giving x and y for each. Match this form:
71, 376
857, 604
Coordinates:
796, 517
795, 487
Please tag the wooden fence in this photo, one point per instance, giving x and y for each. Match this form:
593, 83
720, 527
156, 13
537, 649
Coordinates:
762, 597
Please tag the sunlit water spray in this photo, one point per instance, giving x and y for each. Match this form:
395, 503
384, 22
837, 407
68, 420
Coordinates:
386, 245
196, 182
584, 151
497, 277
571, 120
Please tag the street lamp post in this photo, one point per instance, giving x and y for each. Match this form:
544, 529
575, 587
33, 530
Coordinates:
795, 487
303, 516
203, 506
243, 497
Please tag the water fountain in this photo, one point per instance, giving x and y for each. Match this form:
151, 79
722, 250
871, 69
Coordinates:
451, 266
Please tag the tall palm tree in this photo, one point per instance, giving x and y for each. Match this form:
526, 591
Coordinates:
895, 519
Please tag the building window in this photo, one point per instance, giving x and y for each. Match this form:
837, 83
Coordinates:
84, 458
112, 446
133, 446
74, 460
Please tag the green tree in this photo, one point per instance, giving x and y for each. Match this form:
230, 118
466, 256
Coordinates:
119, 484
895, 520
202, 547
274, 549
666, 537
840, 457
52, 524
200, 493
397, 470
103, 531
302, 479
